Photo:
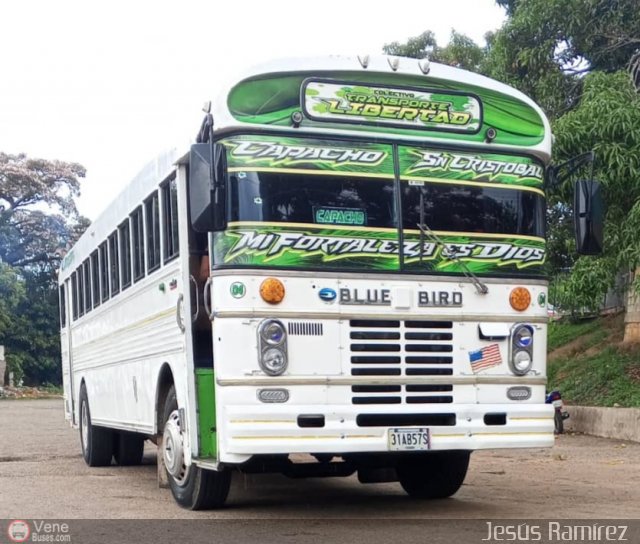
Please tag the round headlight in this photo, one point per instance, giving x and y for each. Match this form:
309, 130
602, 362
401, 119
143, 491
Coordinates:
273, 361
272, 332
522, 362
523, 336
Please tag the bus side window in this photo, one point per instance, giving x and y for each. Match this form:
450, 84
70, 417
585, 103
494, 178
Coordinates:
86, 273
170, 220
137, 230
80, 292
74, 294
95, 278
63, 308
125, 254
114, 265
153, 232
104, 272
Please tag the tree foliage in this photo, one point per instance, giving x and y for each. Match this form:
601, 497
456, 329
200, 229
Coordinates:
38, 222
545, 45
461, 51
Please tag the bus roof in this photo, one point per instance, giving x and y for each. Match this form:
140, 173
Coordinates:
364, 96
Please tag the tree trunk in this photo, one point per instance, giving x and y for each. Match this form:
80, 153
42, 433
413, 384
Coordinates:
632, 315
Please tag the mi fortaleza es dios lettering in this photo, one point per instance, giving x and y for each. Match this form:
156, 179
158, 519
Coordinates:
273, 243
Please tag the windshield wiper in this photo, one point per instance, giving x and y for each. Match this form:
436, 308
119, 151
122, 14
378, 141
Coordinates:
426, 231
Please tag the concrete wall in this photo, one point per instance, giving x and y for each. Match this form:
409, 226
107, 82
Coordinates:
620, 423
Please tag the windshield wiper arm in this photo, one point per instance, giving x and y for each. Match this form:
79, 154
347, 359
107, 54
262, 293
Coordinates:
426, 231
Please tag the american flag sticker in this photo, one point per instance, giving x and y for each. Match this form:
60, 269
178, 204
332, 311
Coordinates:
484, 358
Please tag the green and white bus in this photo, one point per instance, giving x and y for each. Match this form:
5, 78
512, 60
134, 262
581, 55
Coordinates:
344, 275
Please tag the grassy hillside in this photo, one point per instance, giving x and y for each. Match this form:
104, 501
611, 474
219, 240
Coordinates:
590, 367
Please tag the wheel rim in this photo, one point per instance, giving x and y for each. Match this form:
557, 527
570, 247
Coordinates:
84, 426
173, 449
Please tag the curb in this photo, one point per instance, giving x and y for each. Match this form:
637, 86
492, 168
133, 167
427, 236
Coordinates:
618, 423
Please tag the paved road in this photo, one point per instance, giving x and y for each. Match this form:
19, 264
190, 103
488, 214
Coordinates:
42, 475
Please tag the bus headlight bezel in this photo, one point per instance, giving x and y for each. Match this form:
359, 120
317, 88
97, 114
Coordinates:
521, 352
268, 362
268, 328
272, 347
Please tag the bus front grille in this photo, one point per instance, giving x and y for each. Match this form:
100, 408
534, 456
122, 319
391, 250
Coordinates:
380, 348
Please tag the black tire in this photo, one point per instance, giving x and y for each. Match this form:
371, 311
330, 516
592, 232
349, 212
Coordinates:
128, 449
202, 489
97, 446
559, 422
435, 475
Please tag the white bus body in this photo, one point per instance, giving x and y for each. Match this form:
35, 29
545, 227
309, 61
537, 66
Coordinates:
405, 350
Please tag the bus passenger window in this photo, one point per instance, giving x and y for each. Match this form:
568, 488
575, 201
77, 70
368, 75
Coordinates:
152, 222
95, 278
125, 254
137, 229
86, 273
63, 308
170, 220
114, 268
104, 272
74, 294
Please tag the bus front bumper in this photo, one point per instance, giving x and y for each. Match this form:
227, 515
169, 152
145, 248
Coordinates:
246, 430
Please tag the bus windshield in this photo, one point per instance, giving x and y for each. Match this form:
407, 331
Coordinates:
331, 205
470, 209
275, 197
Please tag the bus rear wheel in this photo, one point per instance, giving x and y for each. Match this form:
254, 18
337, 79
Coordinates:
192, 487
435, 475
97, 442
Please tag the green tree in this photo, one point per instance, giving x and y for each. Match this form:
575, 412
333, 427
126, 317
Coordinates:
546, 45
461, 51
38, 222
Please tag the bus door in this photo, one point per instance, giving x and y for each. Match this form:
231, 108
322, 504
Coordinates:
67, 352
199, 271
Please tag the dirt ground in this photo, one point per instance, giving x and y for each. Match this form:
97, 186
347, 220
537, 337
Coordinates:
42, 475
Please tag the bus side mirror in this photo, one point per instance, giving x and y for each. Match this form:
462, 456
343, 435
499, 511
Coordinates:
588, 209
207, 188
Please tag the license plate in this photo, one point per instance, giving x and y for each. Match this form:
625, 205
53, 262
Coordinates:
409, 439
557, 403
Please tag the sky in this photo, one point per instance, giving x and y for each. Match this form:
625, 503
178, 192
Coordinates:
112, 84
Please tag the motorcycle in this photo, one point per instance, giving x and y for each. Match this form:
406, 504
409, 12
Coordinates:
560, 414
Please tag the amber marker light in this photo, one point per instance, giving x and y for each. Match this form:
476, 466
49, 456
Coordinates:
520, 298
272, 290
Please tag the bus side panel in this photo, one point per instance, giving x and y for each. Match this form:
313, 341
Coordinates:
120, 347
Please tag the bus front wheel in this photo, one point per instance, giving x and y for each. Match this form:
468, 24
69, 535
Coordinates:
97, 442
435, 475
192, 487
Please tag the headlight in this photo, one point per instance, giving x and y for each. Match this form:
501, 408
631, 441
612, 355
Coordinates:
522, 362
273, 361
523, 336
521, 352
272, 332
272, 347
